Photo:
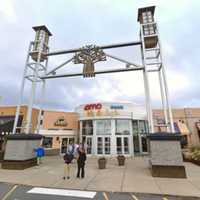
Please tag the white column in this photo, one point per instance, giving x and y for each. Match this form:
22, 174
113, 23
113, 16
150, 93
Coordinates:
21, 90
163, 100
94, 138
32, 96
131, 147
146, 84
42, 98
113, 138
166, 88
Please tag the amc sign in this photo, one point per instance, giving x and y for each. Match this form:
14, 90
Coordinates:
94, 106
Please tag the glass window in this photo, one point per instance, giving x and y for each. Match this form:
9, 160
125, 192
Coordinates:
99, 145
135, 127
89, 145
103, 127
126, 145
122, 127
142, 127
107, 145
87, 127
47, 142
119, 145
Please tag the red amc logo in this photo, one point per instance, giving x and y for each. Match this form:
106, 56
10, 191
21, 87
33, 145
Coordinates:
94, 106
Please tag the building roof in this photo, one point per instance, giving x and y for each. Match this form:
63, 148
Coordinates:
42, 27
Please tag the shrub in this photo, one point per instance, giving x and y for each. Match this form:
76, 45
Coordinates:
194, 148
196, 155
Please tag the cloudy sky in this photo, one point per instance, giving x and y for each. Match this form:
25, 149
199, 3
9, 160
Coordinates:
75, 23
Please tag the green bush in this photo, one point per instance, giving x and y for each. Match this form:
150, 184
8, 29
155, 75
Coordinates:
196, 155
194, 148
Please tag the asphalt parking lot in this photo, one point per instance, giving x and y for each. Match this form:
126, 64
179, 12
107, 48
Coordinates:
21, 192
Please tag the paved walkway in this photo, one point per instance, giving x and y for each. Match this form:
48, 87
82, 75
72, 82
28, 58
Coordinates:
133, 177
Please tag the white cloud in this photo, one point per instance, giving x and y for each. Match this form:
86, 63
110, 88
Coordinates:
7, 10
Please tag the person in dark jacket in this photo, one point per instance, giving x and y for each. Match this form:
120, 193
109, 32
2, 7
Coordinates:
68, 157
81, 162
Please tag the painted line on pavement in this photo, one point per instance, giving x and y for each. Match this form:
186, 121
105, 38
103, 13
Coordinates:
165, 198
105, 196
62, 192
10, 192
134, 197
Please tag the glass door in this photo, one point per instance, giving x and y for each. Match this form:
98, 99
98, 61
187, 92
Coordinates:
89, 145
64, 145
103, 145
143, 144
122, 145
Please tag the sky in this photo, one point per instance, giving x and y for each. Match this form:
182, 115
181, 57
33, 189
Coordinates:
76, 23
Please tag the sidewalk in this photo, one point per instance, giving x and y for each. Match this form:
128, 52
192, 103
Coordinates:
134, 177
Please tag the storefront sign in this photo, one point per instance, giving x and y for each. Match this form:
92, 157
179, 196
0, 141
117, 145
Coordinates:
117, 107
60, 122
94, 106
92, 113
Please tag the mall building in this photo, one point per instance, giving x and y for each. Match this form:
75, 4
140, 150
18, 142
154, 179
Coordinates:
105, 128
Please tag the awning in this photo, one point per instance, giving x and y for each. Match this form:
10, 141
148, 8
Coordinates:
182, 128
198, 125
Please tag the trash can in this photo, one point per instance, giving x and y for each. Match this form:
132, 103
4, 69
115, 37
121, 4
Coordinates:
102, 163
121, 160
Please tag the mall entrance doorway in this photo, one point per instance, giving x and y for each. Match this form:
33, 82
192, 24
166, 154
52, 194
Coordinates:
122, 145
103, 145
140, 144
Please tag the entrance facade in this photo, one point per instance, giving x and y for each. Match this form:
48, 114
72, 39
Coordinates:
110, 132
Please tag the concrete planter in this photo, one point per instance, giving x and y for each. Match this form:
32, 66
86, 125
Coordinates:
121, 160
19, 151
102, 163
166, 158
187, 156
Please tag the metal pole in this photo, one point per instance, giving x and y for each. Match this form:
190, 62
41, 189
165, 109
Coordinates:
61, 65
21, 90
167, 101
101, 47
146, 84
166, 88
42, 98
122, 60
30, 106
163, 100
97, 72
40, 110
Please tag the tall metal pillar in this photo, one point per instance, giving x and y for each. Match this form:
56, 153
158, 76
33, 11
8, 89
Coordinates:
163, 72
42, 99
167, 101
153, 57
22, 89
37, 51
32, 96
163, 98
147, 92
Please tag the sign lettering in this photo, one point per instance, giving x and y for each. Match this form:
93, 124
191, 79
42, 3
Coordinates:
95, 106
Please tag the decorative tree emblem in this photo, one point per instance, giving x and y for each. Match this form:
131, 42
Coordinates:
88, 56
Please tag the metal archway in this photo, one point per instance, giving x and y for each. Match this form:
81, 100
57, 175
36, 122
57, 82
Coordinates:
37, 63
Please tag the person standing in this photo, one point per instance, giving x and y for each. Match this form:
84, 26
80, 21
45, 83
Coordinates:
39, 154
81, 163
68, 157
